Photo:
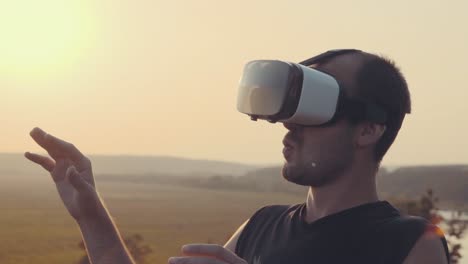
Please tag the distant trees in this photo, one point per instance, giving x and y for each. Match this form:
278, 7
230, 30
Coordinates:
454, 226
136, 246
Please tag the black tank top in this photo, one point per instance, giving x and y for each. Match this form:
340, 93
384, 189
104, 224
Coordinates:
370, 233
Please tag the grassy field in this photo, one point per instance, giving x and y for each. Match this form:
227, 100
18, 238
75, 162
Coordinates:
35, 228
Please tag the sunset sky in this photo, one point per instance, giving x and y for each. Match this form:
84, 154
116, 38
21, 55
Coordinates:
160, 77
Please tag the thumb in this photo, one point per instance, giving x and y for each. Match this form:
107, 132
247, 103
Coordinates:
77, 181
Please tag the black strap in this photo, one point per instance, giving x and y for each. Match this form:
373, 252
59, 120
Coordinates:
356, 110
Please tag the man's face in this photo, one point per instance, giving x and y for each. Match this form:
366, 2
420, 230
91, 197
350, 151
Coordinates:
315, 156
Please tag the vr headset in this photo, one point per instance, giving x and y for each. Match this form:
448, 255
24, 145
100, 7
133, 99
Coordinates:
287, 92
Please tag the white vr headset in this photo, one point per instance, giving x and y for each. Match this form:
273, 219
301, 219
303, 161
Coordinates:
279, 91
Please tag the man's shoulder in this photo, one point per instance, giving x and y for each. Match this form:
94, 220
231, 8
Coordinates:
275, 211
409, 233
406, 222
400, 229
265, 223
278, 208
431, 247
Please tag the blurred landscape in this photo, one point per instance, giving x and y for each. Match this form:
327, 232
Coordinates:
161, 78
171, 202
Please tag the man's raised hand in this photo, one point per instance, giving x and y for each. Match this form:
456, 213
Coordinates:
71, 172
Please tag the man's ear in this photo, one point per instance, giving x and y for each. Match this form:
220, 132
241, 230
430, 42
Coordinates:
369, 133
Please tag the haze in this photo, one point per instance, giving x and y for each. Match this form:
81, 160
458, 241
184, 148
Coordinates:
160, 77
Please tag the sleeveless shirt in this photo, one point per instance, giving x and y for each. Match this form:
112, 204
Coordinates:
370, 233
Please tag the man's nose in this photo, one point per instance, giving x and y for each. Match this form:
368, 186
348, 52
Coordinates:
290, 126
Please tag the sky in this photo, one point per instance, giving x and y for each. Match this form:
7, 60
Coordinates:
160, 77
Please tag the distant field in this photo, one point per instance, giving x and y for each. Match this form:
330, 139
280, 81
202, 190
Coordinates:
35, 228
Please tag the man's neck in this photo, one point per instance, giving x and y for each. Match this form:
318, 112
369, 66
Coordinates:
353, 188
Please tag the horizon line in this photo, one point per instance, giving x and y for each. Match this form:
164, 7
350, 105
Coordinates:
260, 165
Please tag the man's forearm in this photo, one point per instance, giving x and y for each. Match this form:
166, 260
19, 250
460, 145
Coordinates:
103, 241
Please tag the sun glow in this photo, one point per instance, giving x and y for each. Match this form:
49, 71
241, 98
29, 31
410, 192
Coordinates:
43, 37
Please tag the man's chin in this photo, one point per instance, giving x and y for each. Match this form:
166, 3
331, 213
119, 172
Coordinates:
302, 175
292, 173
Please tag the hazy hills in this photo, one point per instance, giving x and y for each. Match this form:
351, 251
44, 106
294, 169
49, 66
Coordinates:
16, 164
449, 182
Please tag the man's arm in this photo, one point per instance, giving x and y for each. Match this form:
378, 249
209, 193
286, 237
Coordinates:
428, 250
73, 177
103, 241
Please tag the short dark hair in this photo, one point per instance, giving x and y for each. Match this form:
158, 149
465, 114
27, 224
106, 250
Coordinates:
380, 81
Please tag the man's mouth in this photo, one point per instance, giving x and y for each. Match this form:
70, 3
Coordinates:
287, 153
288, 148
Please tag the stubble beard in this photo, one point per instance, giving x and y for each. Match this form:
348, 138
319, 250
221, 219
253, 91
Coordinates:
302, 174
314, 174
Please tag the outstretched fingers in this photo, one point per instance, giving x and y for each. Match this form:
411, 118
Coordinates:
58, 148
46, 162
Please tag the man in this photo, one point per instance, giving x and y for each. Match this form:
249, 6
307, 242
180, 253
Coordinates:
342, 220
